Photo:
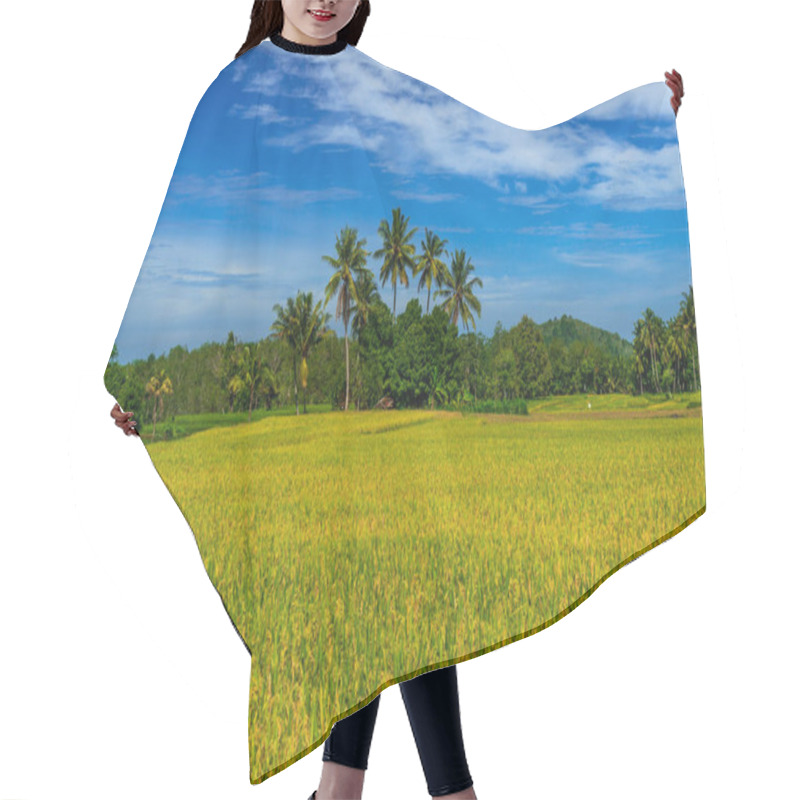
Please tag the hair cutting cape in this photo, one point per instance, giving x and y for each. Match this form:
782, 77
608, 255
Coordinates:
419, 381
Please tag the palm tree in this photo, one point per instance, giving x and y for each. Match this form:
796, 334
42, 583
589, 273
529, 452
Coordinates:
349, 264
312, 329
397, 252
673, 350
435, 385
429, 267
689, 325
158, 387
459, 296
252, 373
228, 369
367, 299
650, 333
287, 327
638, 350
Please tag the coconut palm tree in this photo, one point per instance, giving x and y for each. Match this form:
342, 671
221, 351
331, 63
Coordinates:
312, 329
458, 294
651, 328
287, 328
397, 253
367, 301
638, 350
674, 351
251, 374
689, 325
349, 264
158, 387
430, 268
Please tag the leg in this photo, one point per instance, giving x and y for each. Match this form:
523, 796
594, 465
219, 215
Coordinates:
432, 705
345, 755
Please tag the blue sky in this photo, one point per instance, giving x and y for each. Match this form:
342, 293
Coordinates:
585, 218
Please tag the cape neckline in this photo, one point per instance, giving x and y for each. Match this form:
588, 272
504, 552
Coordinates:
311, 49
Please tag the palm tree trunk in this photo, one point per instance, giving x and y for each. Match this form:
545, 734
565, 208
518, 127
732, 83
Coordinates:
655, 369
347, 367
358, 398
296, 397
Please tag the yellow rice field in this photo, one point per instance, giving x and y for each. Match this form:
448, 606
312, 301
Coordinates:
356, 550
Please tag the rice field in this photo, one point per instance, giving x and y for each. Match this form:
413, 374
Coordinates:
356, 550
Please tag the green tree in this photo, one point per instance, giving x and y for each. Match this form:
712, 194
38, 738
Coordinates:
350, 262
366, 302
506, 380
312, 329
253, 375
229, 367
533, 364
114, 378
458, 294
158, 387
286, 328
435, 386
651, 332
673, 355
639, 352
688, 325
430, 268
397, 253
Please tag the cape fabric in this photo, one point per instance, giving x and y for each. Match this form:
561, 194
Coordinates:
419, 381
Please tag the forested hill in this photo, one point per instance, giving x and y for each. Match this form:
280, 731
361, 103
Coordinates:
568, 330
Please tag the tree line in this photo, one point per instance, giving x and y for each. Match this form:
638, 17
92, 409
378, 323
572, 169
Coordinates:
417, 358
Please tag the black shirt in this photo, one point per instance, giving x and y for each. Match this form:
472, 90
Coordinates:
311, 49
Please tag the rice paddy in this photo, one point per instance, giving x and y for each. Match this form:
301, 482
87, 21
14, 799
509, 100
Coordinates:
356, 550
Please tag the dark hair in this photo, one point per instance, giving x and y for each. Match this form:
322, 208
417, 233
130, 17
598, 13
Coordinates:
266, 18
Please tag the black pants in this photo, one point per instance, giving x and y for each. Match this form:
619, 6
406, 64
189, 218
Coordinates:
432, 706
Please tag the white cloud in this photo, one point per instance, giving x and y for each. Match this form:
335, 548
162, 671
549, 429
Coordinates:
410, 128
582, 230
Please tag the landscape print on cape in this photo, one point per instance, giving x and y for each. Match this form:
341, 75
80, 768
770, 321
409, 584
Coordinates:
418, 381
